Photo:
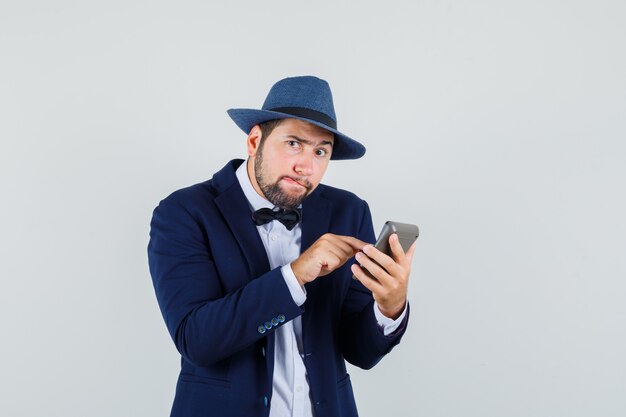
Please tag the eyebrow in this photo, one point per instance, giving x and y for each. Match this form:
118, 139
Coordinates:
309, 142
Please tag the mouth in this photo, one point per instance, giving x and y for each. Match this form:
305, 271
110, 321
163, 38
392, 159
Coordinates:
294, 182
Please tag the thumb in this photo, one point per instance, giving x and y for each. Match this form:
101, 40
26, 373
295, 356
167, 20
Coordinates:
411, 252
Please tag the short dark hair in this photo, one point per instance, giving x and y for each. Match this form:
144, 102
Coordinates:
268, 127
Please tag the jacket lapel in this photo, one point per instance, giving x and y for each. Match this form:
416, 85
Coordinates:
315, 218
234, 207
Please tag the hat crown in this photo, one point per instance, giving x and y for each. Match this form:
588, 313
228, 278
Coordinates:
306, 92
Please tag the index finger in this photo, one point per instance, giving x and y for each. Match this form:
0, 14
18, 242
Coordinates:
353, 241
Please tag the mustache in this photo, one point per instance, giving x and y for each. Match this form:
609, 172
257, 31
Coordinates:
300, 180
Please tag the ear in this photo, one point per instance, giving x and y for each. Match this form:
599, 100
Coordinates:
254, 139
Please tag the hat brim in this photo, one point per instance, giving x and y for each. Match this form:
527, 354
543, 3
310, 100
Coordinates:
344, 147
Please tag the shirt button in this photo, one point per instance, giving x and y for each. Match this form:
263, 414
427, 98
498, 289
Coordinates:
299, 388
274, 238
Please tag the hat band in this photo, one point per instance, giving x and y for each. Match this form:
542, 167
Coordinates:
307, 114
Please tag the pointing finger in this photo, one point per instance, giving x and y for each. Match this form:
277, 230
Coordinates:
353, 242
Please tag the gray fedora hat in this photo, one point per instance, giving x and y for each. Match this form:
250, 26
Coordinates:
305, 98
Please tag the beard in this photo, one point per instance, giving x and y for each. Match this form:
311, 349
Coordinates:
272, 190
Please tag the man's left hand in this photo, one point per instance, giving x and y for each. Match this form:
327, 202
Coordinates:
389, 289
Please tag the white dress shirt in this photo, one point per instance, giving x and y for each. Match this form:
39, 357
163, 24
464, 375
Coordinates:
290, 387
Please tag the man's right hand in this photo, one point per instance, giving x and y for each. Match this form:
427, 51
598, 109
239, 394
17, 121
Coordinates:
328, 253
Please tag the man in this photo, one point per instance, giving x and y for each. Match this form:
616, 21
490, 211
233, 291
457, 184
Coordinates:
251, 274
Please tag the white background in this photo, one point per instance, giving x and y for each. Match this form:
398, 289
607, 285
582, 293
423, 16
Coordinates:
497, 126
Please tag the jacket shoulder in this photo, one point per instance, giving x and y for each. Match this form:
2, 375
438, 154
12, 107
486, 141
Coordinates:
192, 195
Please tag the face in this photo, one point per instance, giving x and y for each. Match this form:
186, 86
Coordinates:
290, 163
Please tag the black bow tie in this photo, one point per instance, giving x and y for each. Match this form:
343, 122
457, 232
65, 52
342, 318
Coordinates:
288, 217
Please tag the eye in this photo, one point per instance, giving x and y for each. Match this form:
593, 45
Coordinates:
321, 152
293, 144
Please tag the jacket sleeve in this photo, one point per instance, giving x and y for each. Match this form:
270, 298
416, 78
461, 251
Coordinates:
362, 341
206, 324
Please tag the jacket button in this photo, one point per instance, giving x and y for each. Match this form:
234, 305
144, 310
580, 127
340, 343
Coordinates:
266, 401
275, 321
268, 325
281, 318
261, 329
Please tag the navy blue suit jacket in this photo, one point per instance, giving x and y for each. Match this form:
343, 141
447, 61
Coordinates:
216, 292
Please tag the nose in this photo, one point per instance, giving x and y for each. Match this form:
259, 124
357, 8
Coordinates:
304, 164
